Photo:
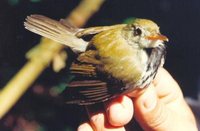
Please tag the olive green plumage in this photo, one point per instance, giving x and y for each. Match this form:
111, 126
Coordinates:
118, 59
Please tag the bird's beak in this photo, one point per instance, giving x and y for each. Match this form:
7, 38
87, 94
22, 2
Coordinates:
158, 37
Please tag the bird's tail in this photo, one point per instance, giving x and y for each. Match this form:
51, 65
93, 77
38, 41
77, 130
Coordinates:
59, 31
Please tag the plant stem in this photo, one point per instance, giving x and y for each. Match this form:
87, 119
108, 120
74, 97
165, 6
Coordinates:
18, 85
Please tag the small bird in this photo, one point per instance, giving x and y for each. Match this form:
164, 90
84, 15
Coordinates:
117, 60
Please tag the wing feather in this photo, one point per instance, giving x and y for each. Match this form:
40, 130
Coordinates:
87, 92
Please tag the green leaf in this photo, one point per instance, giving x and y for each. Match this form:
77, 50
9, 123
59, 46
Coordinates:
35, 1
13, 2
129, 20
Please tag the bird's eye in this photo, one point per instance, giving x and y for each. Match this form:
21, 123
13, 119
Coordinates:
137, 32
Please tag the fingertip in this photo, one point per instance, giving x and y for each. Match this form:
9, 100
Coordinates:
120, 111
85, 127
98, 122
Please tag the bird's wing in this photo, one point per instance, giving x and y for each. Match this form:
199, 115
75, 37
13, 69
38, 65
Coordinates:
91, 85
61, 32
96, 30
86, 92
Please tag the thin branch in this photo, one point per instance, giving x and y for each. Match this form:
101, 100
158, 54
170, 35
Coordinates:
46, 50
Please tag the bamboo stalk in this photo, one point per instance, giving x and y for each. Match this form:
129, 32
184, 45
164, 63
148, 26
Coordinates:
17, 86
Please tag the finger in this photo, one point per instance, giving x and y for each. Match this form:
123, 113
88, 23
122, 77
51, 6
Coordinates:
85, 127
153, 114
120, 111
150, 112
166, 87
98, 121
171, 95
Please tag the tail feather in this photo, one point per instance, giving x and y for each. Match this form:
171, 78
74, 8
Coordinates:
56, 31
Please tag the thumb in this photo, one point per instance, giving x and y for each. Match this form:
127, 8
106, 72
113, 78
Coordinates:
150, 112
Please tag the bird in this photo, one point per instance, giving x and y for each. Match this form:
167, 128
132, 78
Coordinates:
116, 60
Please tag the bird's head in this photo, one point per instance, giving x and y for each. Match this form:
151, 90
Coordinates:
143, 33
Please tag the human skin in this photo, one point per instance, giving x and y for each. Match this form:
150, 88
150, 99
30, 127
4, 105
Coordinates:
159, 107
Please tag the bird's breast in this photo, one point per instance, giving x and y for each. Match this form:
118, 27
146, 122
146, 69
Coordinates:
119, 59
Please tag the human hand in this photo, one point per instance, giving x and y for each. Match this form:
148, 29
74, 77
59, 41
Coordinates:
159, 107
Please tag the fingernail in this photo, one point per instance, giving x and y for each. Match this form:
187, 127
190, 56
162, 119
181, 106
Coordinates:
150, 99
97, 118
81, 128
84, 127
